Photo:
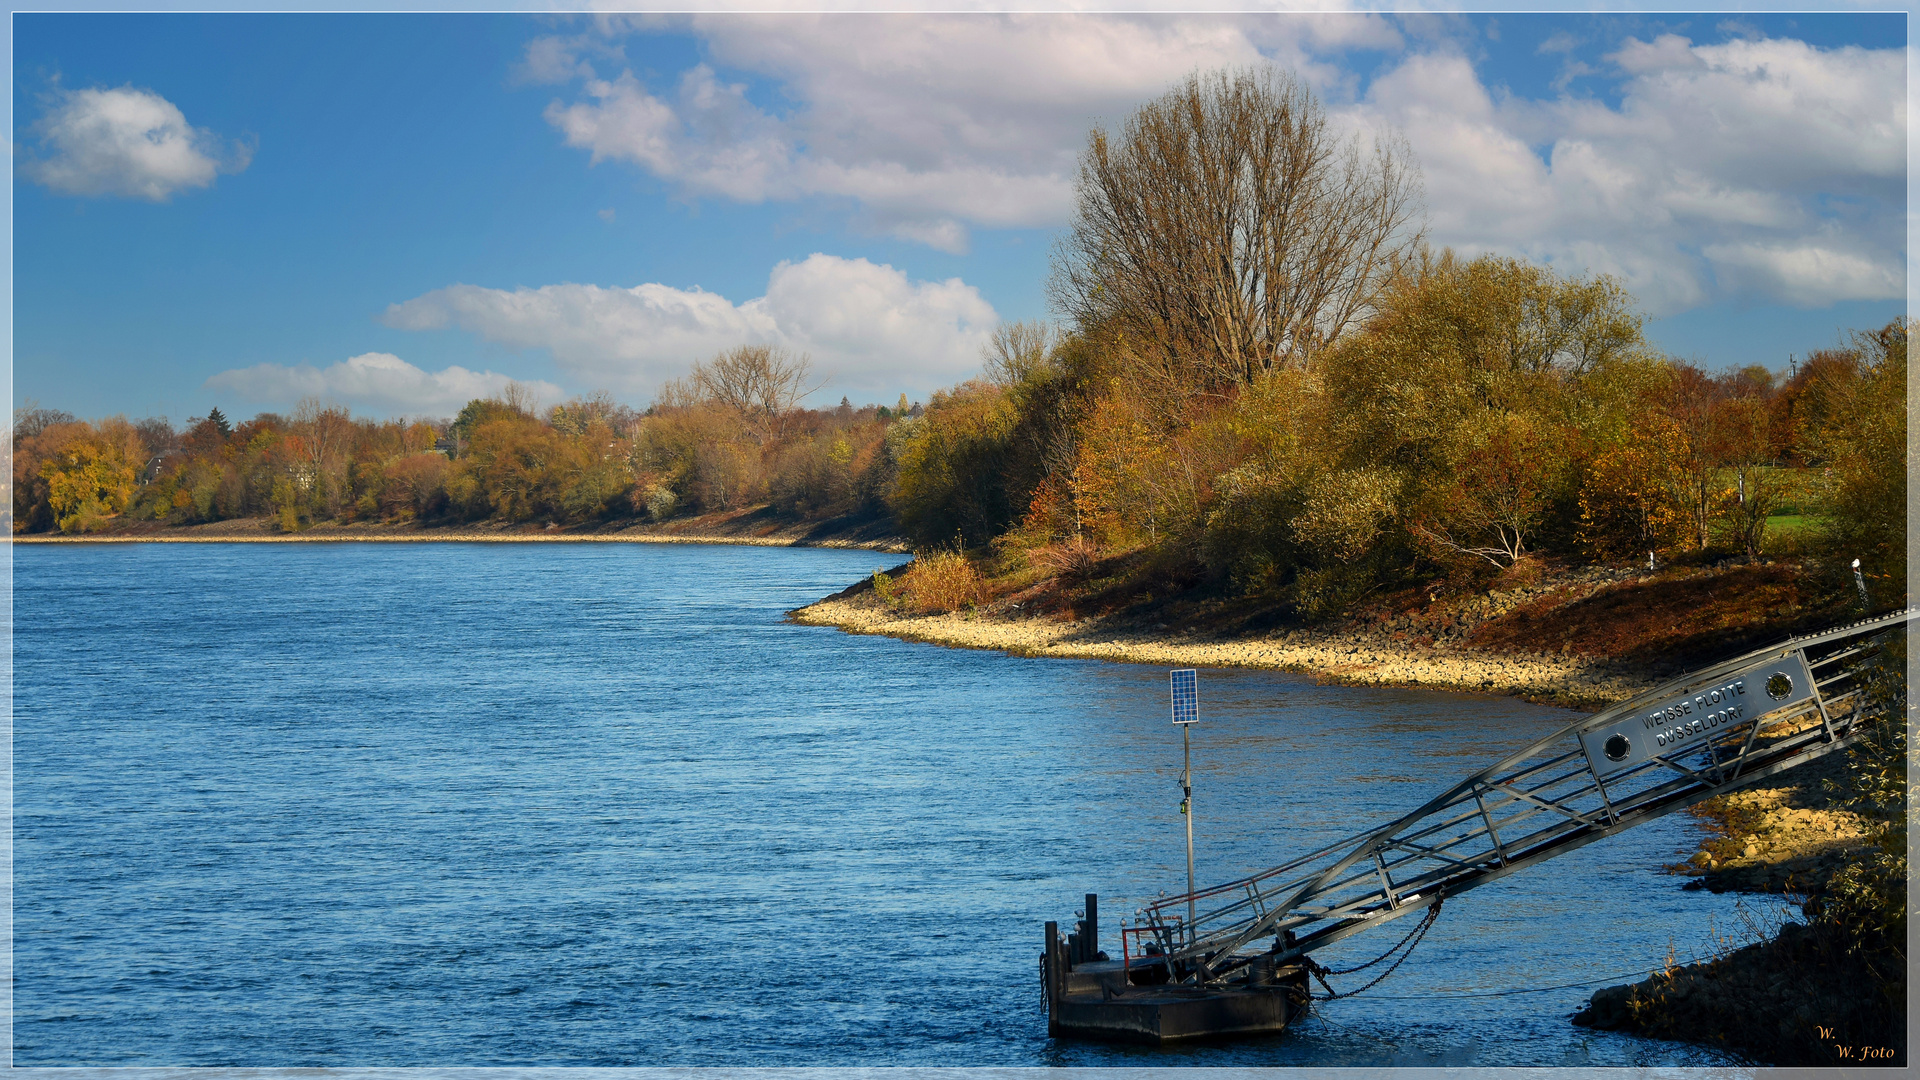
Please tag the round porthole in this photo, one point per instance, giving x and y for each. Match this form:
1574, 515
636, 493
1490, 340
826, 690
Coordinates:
1779, 685
1617, 747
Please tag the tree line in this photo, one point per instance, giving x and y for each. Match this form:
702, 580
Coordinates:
730, 435
1487, 413
1269, 378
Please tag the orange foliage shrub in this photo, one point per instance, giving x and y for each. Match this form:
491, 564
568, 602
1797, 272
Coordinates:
940, 582
1626, 504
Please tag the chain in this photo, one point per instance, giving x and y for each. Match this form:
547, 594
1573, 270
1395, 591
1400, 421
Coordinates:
1413, 936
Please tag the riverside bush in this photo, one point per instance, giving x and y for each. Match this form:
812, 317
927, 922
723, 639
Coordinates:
940, 582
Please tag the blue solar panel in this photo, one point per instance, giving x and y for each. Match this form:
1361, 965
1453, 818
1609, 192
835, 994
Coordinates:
1186, 696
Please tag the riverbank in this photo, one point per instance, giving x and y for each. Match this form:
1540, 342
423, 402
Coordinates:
1354, 656
1800, 998
1578, 637
1789, 837
757, 526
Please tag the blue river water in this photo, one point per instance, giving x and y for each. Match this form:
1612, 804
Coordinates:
558, 804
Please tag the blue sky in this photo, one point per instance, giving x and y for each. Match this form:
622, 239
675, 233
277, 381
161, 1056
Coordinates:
401, 212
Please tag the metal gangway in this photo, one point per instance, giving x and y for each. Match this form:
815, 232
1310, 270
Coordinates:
1705, 733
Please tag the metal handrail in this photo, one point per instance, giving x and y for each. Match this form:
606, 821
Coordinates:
1359, 889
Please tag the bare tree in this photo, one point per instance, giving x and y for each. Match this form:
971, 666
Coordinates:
762, 383
1227, 230
30, 419
1017, 351
324, 435
521, 399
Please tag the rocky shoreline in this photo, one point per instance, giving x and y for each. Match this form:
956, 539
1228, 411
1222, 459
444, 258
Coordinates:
1799, 998
1787, 838
1355, 656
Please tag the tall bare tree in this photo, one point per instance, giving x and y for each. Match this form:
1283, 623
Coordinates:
762, 383
1227, 230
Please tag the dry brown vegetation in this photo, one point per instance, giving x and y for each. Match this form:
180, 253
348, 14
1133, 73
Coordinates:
1684, 617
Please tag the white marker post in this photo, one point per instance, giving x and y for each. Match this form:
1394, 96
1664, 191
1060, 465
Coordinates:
1186, 713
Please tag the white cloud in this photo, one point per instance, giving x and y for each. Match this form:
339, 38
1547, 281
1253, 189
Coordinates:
1806, 272
866, 325
126, 142
1754, 169
552, 60
1558, 42
932, 123
1675, 167
379, 382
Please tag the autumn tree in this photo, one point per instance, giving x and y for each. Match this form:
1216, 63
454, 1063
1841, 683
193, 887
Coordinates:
1693, 404
475, 413
1117, 482
576, 416
1745, 432
1862, 437
30, 420
89, 473
1627, 507
1227, 229
952, 466
320, 444
1493, 507
1018, 352
1472, 385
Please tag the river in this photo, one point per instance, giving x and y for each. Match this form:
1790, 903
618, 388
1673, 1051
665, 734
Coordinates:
580, 804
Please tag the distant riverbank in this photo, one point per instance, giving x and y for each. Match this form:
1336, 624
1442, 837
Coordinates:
755, 526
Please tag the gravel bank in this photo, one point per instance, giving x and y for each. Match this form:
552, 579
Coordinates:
1787, 838
1354, 657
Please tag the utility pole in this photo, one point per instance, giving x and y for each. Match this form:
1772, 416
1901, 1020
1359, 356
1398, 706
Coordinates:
1186, 712
1186, 810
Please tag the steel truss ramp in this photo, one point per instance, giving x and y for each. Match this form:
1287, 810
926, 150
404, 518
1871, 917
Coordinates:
1708, 732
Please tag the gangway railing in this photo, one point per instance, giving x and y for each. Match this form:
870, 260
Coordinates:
1705, 733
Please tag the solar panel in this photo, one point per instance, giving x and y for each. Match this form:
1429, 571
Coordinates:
1186, 696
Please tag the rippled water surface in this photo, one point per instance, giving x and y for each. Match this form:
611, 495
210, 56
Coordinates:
584, 804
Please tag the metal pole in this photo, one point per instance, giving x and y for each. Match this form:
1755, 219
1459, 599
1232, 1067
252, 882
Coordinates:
1186, 790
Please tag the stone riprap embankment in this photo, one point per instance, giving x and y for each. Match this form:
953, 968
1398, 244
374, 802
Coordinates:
1356, 657
1801, 998
1779, 839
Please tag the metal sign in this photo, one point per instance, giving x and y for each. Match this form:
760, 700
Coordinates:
1684, 721
1186, 696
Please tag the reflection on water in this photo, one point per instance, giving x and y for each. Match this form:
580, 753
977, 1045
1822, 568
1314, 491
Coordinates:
600, 805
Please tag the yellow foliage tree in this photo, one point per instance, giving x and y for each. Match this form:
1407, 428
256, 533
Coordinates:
1626, 503
90, 475
1117, 481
